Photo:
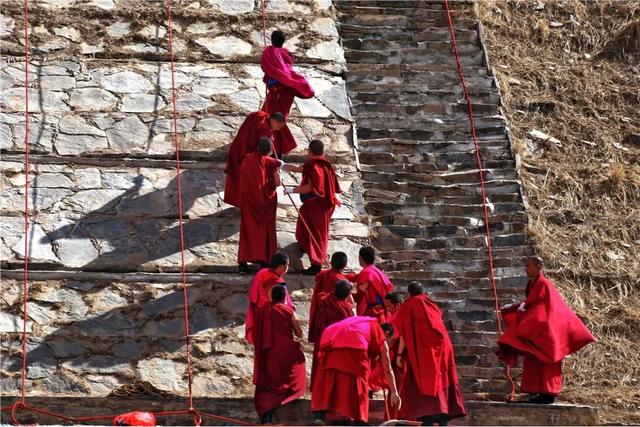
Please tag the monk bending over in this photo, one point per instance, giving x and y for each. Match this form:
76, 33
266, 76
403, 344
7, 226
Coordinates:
279, 370
340, 391
544, 330
283, 84
430, 389
317, 190
260, 177
256, 126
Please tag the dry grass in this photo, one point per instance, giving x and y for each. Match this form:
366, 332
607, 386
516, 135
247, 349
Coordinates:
571, 69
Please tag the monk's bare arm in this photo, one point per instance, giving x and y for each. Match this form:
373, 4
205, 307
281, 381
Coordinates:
297, 330
388, 374
303, 189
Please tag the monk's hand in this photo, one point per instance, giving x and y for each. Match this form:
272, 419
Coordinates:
281, 163
399, 361
394, 399
288, 189
506, 306
521, 307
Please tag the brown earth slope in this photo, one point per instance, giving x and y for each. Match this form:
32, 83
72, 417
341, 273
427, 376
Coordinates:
571, 70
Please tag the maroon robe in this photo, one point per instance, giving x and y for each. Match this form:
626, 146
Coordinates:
258, 239
279, 369
259, 291
371, 301
254, 127
545, 333
277, 64
430, 384
325, 284
341, 386
317, 209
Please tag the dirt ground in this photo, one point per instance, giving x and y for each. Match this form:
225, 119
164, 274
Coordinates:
569, 73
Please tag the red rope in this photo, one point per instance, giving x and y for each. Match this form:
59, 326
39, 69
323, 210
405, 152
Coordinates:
264, 23
179, 189
25, 286
474, 137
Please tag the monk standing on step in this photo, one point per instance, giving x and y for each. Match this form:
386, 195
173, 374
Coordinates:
283, 83
279, 371
340, 391
260, 178
544, 330
331, 308
260, 289
256, 126
373, 286
317, 191
430, 389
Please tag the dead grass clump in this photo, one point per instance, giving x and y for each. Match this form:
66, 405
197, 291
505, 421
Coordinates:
584, 188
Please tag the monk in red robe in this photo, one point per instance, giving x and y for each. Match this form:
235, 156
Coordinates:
373, 286
257, 125
377, 380
544, 330
430, 389
260, 177
279, 371
283, 84
341, 388
260, 289
332, 307
317, 190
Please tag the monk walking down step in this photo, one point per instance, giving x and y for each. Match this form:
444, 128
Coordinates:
260, 289
373, 286
430, 390
332, 307
317, 190
340, 392
279, 372
260, 178
283, 83
544, 330
256, 126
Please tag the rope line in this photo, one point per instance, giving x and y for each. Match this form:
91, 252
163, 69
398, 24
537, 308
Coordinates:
474, 137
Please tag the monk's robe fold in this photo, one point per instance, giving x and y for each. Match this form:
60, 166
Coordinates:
283, 83
258, 239
325, 284
317, 208
430, 385
279, 368
259, 291
254, 127
371, 301
329, 311
341, 385
545, 333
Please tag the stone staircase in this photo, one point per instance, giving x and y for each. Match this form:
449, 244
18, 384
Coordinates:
419, 170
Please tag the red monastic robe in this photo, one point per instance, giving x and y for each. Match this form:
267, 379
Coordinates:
341, 386
277, 64
317, 209
430, 385
254, 127
371, 301
325, 284
258, 239
329, 311
259, 291
279, 370
545, 333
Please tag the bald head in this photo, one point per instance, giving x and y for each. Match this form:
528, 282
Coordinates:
533, 266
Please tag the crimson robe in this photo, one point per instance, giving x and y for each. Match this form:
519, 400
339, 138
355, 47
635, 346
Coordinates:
259, 291
254, 127
312, 228
430, 386
329, 311
341, 386
371, 301
279, 368
277, 64
258, 239
545, 333
325, 284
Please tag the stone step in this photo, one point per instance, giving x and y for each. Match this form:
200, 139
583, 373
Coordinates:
481, 95
455, 269
400, 34
455, 245
453, 253
444, 46
392, 147
423, 109
356, 8
407, 192
404, 4
370, 129
372, 174
438, 121
403, 278
435, 231
406, 21
421, 163
422, 85
409, 56
463, 221
410, 69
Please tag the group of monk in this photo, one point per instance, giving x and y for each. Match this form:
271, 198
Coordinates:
367, 336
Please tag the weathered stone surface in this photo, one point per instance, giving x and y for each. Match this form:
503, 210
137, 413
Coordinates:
61, 383
67, 145
248, 100
14, 99
56, 83
11, 323
76, 250
6, 25
203, 319
235, 304
236, 365
92, 99
153, 31
41, 134
126, 82
142, 103
111, 324
39, 245
77, 125
213, 86
68, 33
225, 46
233, 7
165, 375
41, 368
212, 384
328, 51
40, 314
128, 350
312, 108
96, 364
101, 385
119, 29
192, 102
64, 348
128, 135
